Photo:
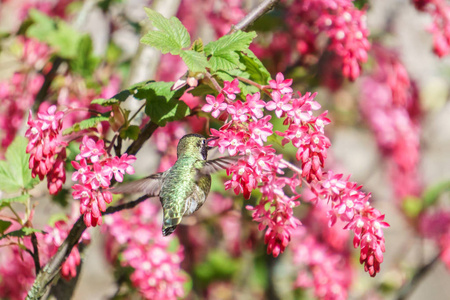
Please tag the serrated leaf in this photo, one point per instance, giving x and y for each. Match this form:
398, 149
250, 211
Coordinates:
131, 132
254, 67
163, 104
224, 61
24, 231
105, 102
202, 89
14, 172
197, 45
19, 199
85, 62
85, 124
238, 41
171, 36
4, 225
195, 61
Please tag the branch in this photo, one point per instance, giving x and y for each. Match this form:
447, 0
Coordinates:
145, 134
257, 12
411, 285
37, 264
48, 273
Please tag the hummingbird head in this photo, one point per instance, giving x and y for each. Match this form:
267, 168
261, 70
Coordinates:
193, 144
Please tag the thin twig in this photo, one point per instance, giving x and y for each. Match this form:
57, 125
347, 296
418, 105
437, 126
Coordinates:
37, 264
257, 12
145, 134
411, 285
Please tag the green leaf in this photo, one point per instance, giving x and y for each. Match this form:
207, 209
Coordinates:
105, 102
85, 62
197, 45
57, 217
412, 206
195, 61
203, 89
14, 172
224, 61
238, 41
20, 199
24, 231
131, 132
8, 182
163, 104
85, 124
432, 193
43, 25
171, 36
4, 225
254, 67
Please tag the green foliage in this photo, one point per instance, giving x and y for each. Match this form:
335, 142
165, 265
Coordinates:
67, 42
14, 171
254, 67
131, 132
195, 61
412, 206
19, 199
85, 124
85, 62
4, 225
218, 265
24, 231
105, 102
171, 36
61, 197
432, 193
224, 52
163, 104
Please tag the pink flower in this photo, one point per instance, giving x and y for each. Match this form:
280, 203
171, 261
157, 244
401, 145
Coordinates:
238, 111
215, 105
254, 105
280, 104
44, 144
91, 149
231, 88
280, 84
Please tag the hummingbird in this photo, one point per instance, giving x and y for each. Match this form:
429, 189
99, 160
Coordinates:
183, 188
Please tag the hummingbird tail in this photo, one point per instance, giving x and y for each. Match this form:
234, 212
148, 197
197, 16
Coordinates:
170, 225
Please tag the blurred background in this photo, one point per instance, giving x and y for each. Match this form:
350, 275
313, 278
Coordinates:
398, 162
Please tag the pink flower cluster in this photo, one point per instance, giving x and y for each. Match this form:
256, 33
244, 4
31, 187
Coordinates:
321, 256
47, 150
351, 205
246, 133
94, 172
155, 259
440, 12
17, 272
16, 95
17, 269
389, 102
51, 241
308, 22
436, 226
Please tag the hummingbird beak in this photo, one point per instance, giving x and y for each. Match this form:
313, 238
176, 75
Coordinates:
209, 140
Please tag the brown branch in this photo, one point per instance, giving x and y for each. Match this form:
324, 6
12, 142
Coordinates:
145, 134
411, 285
257, 12
35, 255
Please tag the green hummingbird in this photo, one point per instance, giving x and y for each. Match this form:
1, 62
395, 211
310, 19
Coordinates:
183, 188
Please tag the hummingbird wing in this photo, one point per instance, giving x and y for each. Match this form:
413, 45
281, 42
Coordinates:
217, 164
150, 185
